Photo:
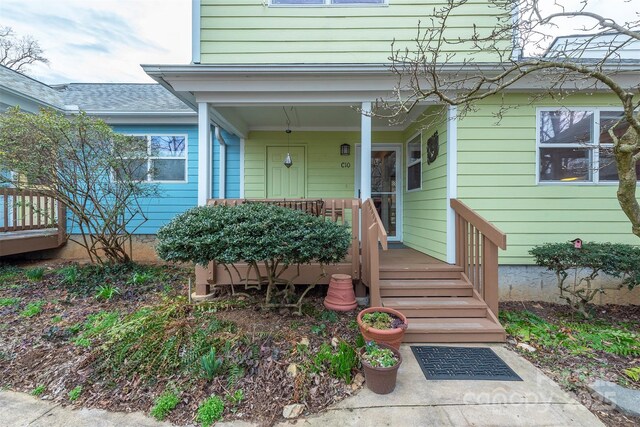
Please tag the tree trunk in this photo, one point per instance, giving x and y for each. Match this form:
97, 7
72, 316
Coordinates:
628, 180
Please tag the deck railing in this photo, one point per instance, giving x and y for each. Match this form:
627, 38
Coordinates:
373, 233
25, 211
342, 211
28, 210
477, 243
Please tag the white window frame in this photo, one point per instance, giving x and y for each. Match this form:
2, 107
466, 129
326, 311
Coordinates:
328, 3
151, 158
415, 162
594, 146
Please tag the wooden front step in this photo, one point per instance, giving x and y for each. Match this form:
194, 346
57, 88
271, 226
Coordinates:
459, 307
426, 288
453, 329
448, 272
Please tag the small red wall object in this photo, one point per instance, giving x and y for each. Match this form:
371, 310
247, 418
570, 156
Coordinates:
577, 243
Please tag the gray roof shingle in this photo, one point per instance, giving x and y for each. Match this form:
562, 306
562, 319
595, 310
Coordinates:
121, 97
95, 97
29, 87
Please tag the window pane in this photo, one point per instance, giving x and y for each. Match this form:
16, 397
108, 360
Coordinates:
566, 127
565, 164
134, 170
608, 120
168, 170
414, 176
137, 146
414, 149
608, 170
168, 146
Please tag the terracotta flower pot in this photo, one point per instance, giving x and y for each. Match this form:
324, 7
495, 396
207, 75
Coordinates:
392, 337
381, 380
340, 296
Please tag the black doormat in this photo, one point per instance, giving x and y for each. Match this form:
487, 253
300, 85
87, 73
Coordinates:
462, 363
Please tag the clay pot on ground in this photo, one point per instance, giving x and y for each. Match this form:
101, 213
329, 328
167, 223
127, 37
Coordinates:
340, 296
392, 337
381, 380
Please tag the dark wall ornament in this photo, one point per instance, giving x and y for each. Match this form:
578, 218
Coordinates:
433, 147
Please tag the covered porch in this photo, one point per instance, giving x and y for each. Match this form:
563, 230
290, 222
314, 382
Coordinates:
308, 133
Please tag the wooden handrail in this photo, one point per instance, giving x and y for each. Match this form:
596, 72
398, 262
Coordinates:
373, 232
477, 243
485, 227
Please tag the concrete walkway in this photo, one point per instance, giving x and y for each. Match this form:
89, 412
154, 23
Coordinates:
536, 401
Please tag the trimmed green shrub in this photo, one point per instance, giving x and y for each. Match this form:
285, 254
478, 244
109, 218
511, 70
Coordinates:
576, 268
255, 233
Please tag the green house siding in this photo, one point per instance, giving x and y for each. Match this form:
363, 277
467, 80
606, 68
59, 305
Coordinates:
249, 31
425, 210
497, 177
326, 176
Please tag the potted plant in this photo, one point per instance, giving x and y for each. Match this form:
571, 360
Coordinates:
380, 363
382, 325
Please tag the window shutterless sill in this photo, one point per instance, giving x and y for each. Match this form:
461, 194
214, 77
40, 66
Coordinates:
592, 184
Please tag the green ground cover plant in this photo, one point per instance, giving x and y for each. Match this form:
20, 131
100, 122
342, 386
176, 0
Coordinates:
160, 340
32, 309
164, 404
580, 338
7, 302
35, 274
38, 390
339, 362
75, 393
107, 292
9, 272
210, 411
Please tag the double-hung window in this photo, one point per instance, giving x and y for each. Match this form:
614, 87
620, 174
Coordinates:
414, 163
167, 159
574, 145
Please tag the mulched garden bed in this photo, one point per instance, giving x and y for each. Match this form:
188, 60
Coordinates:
48, 344
575, 351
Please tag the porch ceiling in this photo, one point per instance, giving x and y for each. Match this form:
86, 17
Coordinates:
314, 117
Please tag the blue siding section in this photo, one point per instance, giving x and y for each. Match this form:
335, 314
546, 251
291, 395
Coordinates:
232, 184
173, 198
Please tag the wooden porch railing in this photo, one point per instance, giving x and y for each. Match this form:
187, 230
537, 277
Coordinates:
28, 210
477, 243
342, 211
372, 232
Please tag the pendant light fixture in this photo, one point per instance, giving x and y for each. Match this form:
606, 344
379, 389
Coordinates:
288, 162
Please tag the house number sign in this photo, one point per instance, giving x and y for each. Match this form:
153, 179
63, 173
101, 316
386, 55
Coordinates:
345, 165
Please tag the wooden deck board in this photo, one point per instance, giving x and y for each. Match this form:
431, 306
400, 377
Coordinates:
407, 258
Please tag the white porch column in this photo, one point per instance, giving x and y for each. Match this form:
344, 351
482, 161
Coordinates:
204, 154
452, 180
365, 152
222, 170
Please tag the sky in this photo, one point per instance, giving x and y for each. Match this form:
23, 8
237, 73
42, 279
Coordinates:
102, 40
107, 40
